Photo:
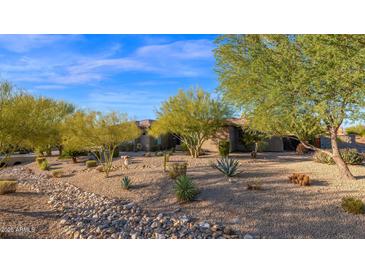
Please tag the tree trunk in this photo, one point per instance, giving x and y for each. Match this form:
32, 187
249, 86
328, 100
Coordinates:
336, 155
74, 160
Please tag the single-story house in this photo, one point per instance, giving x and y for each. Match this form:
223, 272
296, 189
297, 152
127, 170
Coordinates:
232, 132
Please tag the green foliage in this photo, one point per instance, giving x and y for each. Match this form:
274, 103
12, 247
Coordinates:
58, 173
29, 122
185, 190
99, 133
177, 169
7, 187
352, 205
193, 116
224, 147
228, 166
126, 183
39, 160
255, 139
350, 157
44, 165
91, 163
357, 130
302, 85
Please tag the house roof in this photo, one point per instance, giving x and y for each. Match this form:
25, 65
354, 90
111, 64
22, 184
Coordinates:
145, 123
236, 121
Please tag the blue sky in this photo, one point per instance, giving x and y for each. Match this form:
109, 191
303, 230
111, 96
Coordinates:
127, 73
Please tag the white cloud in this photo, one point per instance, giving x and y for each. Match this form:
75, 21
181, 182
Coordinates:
188, 49
49, 87
24, 43
177, 59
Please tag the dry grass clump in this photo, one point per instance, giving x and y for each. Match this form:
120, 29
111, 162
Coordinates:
300, 179
254, 186
177, 169
7, 187
58, 173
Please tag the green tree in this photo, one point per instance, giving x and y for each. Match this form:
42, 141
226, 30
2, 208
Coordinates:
357, 130
193, 116
302, 85
15, 131
98, 133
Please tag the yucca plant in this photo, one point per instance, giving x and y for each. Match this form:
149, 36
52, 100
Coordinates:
185, 189
126, 183
228, 166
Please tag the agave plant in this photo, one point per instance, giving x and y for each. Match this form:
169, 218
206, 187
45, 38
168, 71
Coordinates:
228, 166
185, 189
126, 183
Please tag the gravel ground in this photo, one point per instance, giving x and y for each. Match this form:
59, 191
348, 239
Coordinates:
279, 210
82, 214
26, 214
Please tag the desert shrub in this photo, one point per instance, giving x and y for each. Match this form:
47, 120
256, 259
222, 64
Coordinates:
352, 205
44, 165
350, 156
91, 163
39, 160
159, 153
7, 187
126, 183
177, 169
185, 189
148, 154
58, 173
300, 179
323, 158
223, 147
228, 166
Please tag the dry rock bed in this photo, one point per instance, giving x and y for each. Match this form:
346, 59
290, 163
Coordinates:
93, 206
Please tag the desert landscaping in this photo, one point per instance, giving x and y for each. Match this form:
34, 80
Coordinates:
222, 209
275, 150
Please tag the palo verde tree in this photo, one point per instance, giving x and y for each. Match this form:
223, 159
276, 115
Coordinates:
301, 85
98, 133
27, 121
193, 116
48, 116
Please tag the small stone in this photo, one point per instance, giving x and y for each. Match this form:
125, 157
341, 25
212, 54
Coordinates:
248, 236
159, 236
227, 231
204, 225
184, 219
